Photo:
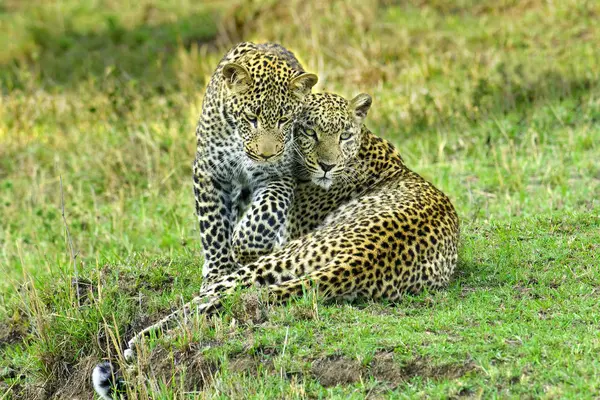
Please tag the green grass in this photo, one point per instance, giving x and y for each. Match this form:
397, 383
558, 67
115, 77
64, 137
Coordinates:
496, 102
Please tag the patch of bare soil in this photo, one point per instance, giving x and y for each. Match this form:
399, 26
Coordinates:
75, 384
189, 370
337, 370
385, 369
187, 366
196, 371
78, 385
249, 365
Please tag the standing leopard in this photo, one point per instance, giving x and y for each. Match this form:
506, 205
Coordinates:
361, 224
243, 130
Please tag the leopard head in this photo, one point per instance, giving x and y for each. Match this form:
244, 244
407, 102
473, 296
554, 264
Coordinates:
263, 95
327, 135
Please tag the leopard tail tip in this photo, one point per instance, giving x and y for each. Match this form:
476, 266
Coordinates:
128, 354
106, 380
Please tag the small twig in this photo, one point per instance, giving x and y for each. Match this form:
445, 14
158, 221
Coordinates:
73, 254
285, 342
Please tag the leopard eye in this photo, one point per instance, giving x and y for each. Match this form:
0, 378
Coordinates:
283, 120
252, 119
311, 133
345, 135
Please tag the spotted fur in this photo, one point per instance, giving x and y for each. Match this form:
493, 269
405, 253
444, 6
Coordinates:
245, 126
376, 231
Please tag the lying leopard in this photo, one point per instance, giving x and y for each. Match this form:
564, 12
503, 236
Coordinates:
361, 223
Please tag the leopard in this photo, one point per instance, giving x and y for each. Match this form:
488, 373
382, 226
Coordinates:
361, 224
242, 135
244, 128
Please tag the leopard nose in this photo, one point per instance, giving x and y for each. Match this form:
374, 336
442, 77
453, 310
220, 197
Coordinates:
268, 149
326, 167
267, 156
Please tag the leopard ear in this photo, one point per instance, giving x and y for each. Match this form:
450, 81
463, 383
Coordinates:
237, 78
302, 84
360, 106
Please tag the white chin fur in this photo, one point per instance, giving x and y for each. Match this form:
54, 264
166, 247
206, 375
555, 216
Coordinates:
324, 183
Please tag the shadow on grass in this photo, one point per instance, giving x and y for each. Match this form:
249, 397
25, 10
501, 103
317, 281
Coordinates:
144, 54
505, 91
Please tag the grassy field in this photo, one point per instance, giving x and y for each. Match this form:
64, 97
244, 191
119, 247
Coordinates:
496, 102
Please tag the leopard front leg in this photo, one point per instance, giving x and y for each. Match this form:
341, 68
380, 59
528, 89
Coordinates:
214, 209
262, 229
198, 305
207, 302
283, 278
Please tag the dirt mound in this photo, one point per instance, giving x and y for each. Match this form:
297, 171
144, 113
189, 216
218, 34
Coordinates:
79, 385
338, 370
